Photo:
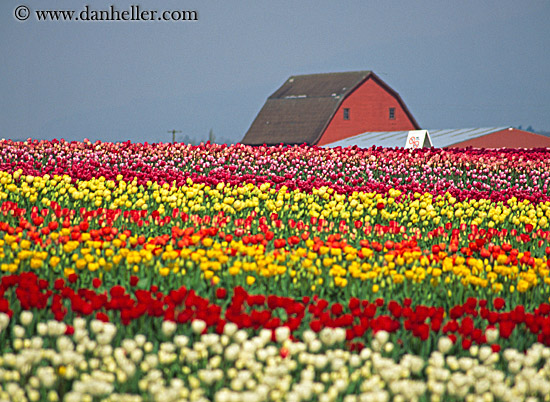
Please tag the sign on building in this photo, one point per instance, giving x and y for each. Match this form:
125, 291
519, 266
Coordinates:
419, 139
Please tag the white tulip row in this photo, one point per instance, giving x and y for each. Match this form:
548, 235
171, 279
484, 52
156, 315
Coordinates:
237, 367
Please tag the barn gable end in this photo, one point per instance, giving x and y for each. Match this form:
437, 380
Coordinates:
373, 105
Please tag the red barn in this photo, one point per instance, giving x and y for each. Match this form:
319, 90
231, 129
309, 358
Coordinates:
318, 109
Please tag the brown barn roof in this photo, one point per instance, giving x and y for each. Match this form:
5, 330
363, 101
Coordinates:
320, 85
300, 110
291, 121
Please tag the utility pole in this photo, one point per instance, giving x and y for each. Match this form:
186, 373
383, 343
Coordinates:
174, 135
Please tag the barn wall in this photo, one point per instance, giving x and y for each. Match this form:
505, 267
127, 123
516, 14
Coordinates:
368, 111
513, 138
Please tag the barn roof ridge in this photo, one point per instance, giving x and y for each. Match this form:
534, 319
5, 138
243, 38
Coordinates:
321, 84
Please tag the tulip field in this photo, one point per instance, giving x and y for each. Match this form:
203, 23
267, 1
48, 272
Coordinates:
170, 272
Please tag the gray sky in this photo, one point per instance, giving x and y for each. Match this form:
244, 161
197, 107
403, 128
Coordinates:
456, 64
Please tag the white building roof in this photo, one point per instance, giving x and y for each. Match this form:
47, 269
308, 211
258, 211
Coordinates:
391, 139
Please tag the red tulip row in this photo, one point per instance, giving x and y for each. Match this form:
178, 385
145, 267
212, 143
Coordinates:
360, 318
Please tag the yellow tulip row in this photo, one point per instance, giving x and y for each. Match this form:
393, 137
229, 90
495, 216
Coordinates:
422, 210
